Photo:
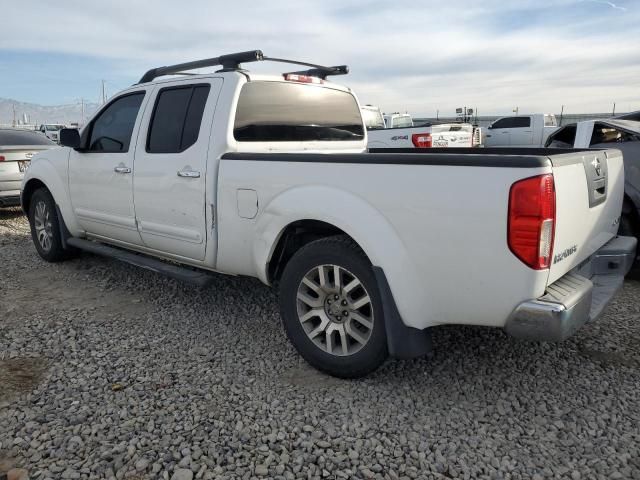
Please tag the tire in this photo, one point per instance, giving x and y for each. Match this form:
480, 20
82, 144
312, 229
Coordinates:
45, 227
339, 331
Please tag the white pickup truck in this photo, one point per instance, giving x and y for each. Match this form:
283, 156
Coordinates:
399, 131
268, 176
520, 131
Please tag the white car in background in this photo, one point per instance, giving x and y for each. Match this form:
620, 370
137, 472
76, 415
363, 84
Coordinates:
520, 130
16, 149
51, 131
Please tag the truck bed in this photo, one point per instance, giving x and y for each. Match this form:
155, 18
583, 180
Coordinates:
440, 232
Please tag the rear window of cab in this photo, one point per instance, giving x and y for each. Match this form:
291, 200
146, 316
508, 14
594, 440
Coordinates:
293, 112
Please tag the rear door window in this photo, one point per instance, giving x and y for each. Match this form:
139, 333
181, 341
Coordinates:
177, 116
290, 112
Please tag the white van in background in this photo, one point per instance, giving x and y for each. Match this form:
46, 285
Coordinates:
398, 120
372, 117
520, 130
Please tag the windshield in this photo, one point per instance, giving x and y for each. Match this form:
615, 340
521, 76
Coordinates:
286, 112
372, 118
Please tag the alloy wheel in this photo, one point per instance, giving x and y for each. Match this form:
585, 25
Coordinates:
335, 310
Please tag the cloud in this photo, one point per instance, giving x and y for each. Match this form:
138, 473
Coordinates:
404, 55
612, 5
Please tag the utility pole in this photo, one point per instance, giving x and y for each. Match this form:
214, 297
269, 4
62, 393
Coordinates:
561, 113
614, 110
516, 110
104, 97
13, 123
437, 114
82, 111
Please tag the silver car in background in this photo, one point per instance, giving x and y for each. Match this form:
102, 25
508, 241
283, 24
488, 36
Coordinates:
16, 149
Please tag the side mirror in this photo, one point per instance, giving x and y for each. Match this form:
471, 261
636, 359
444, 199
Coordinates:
490, 127
70, 137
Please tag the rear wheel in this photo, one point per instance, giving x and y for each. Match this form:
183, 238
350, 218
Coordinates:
45, 227
332, 310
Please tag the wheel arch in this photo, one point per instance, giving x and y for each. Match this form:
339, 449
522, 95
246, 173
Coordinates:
332, 211
42, 174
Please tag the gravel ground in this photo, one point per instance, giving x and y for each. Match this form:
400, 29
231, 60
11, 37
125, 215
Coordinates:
107, 370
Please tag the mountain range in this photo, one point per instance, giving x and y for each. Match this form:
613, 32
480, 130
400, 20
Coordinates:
35, 114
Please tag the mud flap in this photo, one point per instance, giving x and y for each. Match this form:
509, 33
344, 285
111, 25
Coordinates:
402, 341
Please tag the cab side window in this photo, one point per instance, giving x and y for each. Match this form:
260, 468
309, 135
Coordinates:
111, 130
177, 116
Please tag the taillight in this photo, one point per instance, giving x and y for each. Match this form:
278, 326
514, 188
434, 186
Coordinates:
294, 77
532, 218
1, 158
421, 140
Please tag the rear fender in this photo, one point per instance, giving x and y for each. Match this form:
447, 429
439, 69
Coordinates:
351, 214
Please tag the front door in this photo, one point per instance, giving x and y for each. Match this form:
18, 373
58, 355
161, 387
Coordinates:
170, 187
498, 134
101, 172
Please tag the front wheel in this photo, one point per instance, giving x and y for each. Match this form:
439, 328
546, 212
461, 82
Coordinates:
332, 309
45, 227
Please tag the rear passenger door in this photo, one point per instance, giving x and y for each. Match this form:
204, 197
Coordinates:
170, 188
521, 132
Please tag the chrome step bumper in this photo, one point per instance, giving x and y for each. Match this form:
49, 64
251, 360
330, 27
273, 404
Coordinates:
577, 298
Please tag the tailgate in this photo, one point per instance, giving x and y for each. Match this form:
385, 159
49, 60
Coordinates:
451, 135
589, 191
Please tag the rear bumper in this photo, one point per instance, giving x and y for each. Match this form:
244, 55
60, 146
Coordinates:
9, 198
577, 298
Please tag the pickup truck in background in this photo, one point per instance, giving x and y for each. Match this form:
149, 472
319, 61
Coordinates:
401, 132
268, 176
51, 131
618, 133
520, 131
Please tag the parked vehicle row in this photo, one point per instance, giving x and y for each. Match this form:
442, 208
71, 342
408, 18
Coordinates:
269, 176
397, 130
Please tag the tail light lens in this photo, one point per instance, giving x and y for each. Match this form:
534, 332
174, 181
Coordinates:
421, 140
1, 158
532, 218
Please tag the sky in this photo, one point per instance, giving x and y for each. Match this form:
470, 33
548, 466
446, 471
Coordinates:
424, 57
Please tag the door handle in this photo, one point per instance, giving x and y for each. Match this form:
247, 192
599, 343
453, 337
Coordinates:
189, 173
122, 169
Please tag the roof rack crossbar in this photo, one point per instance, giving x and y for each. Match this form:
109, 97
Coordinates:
228, 62
233, 61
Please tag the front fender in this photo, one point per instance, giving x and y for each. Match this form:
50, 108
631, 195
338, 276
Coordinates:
351, 214
54, 178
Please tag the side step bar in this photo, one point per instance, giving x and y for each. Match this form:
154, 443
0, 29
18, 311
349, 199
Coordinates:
194, 277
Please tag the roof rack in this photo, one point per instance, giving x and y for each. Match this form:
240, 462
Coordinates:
232, 62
